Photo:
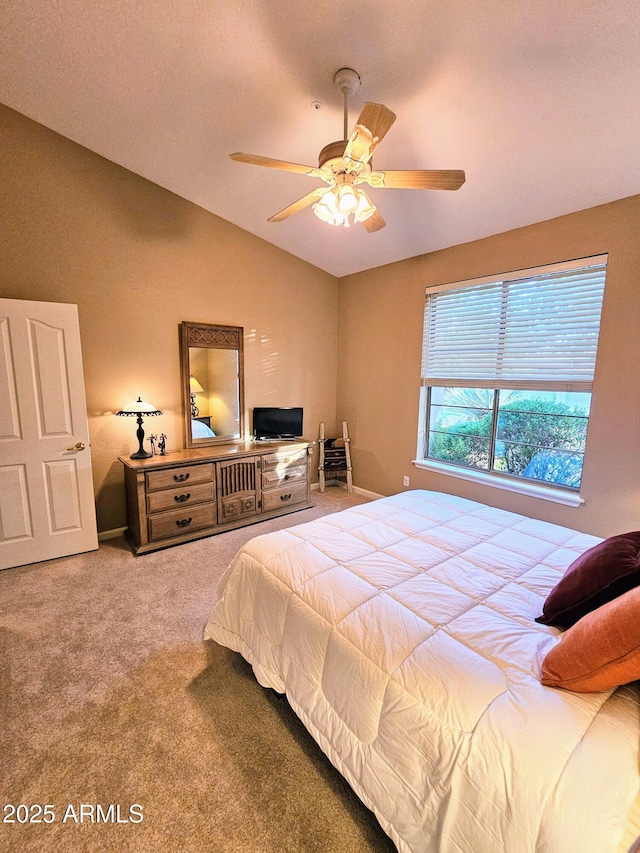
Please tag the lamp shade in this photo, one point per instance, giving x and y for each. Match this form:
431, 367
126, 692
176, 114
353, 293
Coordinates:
194, 386
147, 410
347, 201
366, 207
326, 209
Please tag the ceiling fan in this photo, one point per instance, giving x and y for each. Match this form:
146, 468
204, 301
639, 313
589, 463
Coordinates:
346, 164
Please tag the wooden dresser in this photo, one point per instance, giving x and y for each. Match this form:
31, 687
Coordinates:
189, 494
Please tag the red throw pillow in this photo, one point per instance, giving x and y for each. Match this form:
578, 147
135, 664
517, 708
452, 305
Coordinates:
600, 651
602, 573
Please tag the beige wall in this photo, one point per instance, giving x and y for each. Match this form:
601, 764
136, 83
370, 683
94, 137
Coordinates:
380, 344
137, 260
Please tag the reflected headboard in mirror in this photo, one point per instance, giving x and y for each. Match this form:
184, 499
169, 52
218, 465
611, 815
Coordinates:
212, 378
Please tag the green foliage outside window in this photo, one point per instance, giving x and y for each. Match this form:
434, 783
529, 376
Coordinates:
521, 435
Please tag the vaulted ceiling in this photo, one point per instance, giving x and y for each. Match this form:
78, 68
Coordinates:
539, 103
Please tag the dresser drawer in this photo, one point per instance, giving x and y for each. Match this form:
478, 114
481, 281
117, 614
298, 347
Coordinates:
172, 477
281, 459
180, 497
284, 496
280, 476
168, 524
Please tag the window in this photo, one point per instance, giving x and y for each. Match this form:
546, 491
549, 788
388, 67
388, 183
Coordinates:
507, 375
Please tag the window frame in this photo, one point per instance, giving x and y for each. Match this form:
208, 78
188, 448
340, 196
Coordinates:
563, 494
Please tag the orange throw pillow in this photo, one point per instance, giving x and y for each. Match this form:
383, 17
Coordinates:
601, 651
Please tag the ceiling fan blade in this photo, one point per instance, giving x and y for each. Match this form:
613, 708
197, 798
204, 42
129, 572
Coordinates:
299, 205
372, 125
374, 223
377, 119
416, 179
269, 162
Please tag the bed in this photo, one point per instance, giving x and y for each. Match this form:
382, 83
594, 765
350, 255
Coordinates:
199, 429
403, 633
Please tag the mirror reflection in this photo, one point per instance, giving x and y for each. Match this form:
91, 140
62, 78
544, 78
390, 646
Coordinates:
212, 380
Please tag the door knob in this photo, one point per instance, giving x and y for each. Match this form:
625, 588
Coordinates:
78, 446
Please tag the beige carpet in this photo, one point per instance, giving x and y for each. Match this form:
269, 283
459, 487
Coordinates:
110, 696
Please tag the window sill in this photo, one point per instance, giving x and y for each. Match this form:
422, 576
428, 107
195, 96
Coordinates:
533, 490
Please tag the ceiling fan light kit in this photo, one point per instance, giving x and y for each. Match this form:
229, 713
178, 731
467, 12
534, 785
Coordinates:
339, 203
346, 163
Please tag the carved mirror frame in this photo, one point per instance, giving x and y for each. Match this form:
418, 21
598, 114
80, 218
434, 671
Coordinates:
207, 336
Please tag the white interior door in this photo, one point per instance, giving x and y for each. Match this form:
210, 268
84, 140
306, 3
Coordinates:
47, 507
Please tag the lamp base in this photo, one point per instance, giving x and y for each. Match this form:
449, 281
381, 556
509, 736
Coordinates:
140, 453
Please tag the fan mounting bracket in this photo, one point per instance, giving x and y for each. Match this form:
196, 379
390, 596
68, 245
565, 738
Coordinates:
347, 81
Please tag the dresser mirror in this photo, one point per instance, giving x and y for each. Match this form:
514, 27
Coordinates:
212, 375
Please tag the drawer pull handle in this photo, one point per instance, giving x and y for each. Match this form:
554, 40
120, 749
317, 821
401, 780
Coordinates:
286, 477
180, 499
184, 522
180, 478
285, 497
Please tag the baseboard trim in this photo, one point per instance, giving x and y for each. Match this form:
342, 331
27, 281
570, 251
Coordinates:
111, 534
372, 496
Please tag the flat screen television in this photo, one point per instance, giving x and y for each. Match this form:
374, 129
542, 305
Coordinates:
272, 422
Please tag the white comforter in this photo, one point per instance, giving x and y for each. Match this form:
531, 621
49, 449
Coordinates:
402, 632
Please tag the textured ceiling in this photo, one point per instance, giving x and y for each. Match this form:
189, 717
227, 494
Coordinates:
539, 102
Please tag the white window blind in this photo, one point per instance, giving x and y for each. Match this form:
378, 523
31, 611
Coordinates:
530, 330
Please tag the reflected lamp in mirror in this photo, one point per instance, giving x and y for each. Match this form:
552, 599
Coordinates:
194, 388
139, 410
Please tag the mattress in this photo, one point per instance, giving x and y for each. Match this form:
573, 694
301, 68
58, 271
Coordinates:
403, 634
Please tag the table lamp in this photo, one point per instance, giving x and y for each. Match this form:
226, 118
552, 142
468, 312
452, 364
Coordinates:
138, 410
194, 388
